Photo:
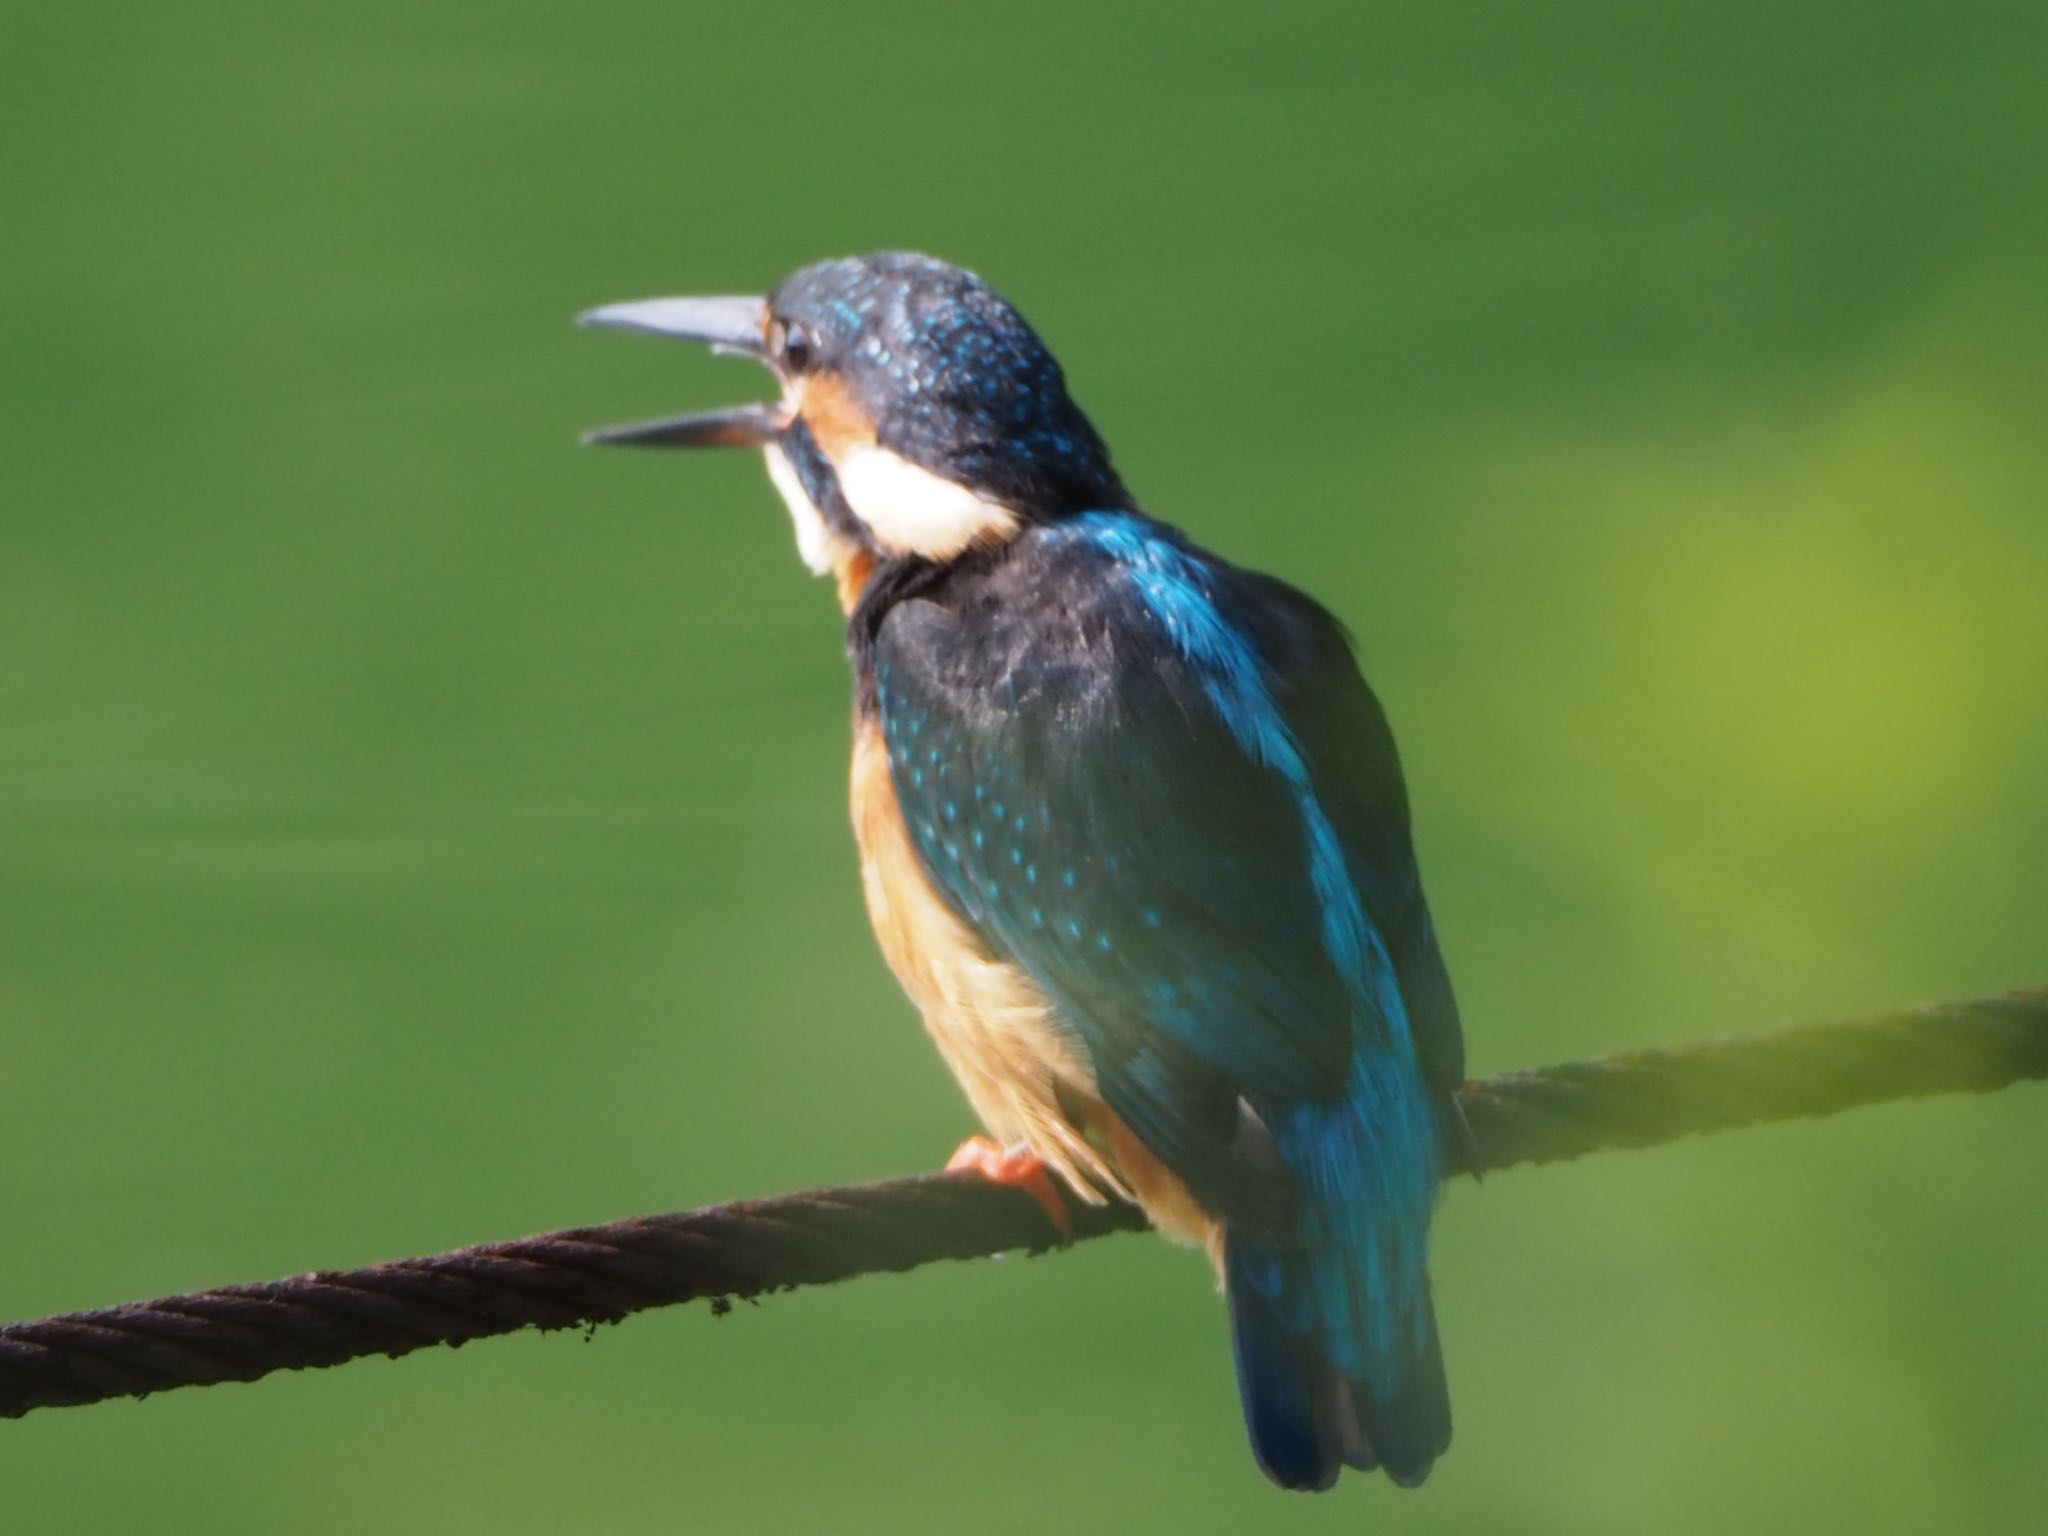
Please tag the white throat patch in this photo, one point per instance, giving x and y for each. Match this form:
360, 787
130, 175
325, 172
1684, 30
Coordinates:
912, 511
813, 538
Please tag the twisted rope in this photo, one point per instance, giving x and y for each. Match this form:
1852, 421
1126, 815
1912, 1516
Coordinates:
589, 1275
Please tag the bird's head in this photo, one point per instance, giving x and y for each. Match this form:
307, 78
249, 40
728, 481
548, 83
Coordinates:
920, 416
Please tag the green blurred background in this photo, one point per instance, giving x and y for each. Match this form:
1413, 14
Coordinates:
415, 830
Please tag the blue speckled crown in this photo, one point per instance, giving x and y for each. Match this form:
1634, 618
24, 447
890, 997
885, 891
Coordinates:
954, 379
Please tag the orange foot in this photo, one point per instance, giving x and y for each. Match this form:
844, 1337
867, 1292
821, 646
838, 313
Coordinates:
1020, 1168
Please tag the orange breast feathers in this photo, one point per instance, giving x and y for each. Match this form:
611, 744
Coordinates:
994, 1026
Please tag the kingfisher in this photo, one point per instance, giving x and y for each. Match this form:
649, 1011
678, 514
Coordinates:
1133, 836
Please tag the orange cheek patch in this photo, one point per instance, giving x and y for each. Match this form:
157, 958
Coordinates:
835, 418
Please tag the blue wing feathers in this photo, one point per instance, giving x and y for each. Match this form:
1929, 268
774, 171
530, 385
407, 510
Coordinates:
1159, 785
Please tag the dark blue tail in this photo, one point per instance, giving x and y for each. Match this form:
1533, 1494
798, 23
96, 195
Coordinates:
1315, 1401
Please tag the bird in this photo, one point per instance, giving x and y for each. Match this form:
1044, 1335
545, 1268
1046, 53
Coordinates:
1133, 835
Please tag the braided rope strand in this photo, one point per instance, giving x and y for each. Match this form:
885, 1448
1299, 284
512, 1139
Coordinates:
588, 1275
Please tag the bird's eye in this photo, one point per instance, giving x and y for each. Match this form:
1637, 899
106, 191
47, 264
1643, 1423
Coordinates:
793, 346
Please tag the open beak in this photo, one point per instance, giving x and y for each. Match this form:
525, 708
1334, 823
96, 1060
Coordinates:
725, 325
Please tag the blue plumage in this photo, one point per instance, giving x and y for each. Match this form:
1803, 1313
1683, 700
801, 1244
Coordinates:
1102, 741
1155, 785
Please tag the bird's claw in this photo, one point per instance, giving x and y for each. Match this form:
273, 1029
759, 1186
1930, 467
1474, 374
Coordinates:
1020, 1168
